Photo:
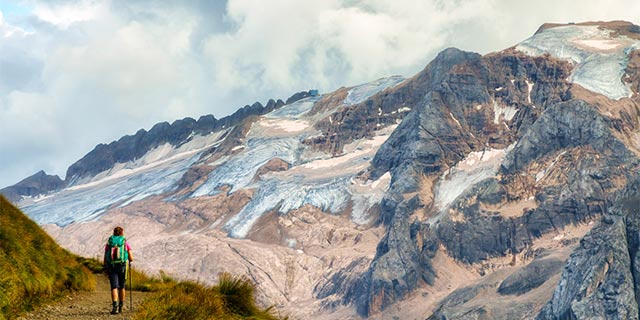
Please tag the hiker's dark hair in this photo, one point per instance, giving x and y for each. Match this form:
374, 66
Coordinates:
118, 231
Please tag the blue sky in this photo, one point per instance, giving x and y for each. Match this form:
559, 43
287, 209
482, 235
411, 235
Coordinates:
14, 8
75, 73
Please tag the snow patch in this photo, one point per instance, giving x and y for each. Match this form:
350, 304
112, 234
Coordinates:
165, 153
326, 183
529, 87
366, 195
599, 44
287, 125
475, 167
295, 109
505, 113
362, 92
454, 119
540, 175
600, 58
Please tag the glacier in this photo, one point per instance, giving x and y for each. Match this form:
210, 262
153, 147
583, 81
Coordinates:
320, 180
86, 204
155, 173
315, 178
600, 58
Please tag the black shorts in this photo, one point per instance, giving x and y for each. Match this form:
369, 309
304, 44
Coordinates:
118, 276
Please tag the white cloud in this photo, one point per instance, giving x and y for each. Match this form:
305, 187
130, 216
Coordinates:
65, 14
77, 73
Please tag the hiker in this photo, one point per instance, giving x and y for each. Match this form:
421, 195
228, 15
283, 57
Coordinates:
116, 254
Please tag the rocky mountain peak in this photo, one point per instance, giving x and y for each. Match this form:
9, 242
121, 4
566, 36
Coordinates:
36, 185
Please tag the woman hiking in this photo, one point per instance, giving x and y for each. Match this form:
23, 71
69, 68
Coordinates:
116, 254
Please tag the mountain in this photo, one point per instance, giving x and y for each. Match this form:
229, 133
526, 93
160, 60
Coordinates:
36, 185
484, 187
35, 268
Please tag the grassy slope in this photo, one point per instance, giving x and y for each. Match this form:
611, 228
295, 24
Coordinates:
232, 298
33, 268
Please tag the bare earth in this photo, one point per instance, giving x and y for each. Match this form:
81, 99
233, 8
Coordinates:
95, 305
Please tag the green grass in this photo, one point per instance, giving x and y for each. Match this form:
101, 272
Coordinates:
233, 298
34, 268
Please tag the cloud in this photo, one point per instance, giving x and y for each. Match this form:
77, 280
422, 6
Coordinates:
75, 73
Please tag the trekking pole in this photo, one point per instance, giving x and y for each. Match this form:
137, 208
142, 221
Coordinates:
130, 289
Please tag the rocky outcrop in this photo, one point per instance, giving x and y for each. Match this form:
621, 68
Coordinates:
35, 185
362, 119
600, 279
565, 125
456, 115
597, 281
530, 277
632, 72
460, 115
273, 165
299, 96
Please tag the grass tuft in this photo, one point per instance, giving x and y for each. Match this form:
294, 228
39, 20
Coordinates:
232, 298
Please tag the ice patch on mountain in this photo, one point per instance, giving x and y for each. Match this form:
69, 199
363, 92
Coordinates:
154, 157
155, 173
600, 57
294, 110
475, 167
323, 182
90, 202
360, 93
239, 170
505, 113
327, 184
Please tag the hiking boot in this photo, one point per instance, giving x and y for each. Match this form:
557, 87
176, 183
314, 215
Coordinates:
114, 310
120, 306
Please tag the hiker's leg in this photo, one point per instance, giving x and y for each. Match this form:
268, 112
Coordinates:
114, 283
114, 301
121, 294
121, 281
114, 295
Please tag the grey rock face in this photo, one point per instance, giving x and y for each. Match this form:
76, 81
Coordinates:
458, 297
565, 125
530, 277
443, 127
37, 184
597, 281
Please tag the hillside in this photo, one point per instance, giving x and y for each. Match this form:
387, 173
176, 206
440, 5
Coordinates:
34, 268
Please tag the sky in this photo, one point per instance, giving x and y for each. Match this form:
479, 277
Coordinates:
76, 73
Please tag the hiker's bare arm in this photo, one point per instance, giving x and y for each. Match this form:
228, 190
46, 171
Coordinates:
130, 256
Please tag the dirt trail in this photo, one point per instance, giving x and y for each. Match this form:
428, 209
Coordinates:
94, 305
